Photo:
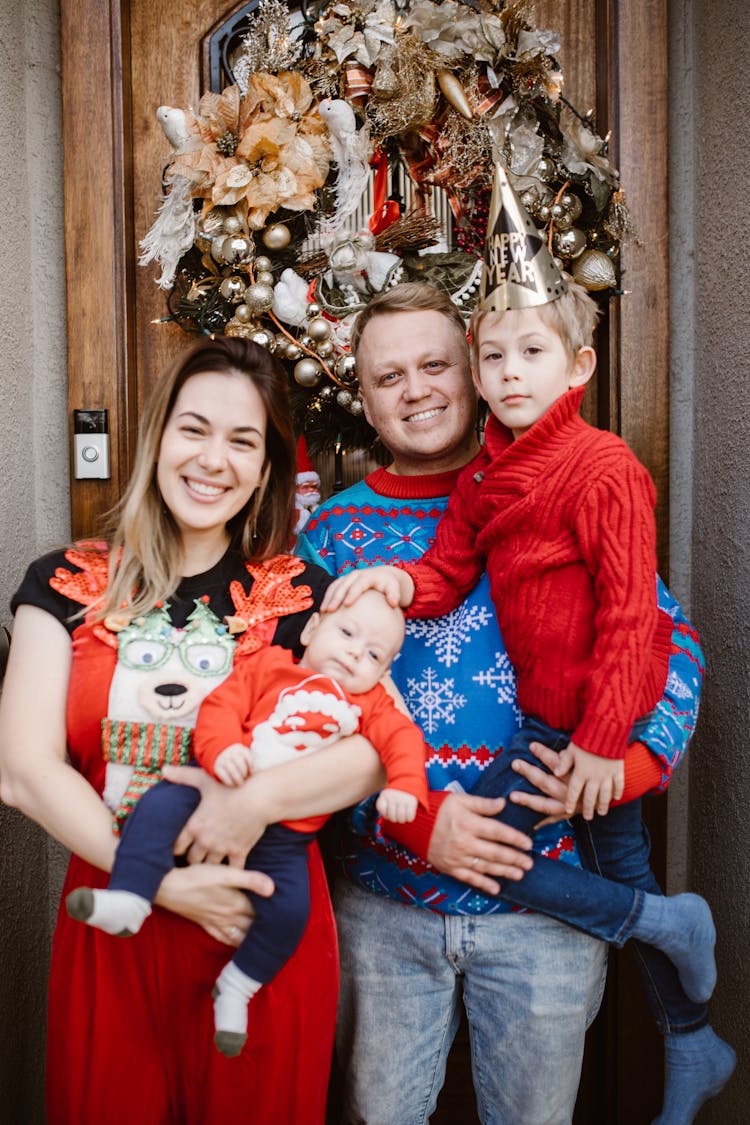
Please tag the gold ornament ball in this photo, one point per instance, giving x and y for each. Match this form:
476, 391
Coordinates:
325, 349
313, 309
318, 329
570, 243
277, 236
595, 271
232, 289
232, 224
305, 342
263, 263
545, 168
543, 212
237, 250
282, 345
356, 407
243, 313
217, 250
308, 372
264, 277
346, 366
345, 399
264, 339
572, 204
326, 392
259, 297
293, 351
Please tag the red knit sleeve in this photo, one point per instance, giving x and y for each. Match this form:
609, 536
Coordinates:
643, 773
416, 835
616, 533
453, 564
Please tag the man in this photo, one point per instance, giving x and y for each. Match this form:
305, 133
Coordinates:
420, 929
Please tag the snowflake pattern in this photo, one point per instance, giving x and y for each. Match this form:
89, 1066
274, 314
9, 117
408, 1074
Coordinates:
677, 688
432, 701
447, 635
500, 677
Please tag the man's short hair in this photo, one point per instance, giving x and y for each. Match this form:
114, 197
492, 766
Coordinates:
572, 316
411, 296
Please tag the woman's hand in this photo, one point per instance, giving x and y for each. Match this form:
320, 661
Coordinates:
228, 822
213, 896
469, 844
396, 586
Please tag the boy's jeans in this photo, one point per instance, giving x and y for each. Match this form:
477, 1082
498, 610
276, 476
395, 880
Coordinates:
605, 905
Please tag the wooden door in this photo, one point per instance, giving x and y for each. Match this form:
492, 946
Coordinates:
123, 59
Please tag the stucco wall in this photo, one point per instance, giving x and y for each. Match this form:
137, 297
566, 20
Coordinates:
34, 509
711, 476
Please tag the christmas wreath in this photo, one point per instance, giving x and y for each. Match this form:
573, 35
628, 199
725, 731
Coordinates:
355, 149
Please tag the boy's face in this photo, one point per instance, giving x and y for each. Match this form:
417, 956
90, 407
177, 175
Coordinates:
355, 644
524, 367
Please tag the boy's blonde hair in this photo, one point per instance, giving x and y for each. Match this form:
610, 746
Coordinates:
572, 316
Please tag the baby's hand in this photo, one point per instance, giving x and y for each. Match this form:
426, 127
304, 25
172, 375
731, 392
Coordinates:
396, 805
597, 781
393, 583
233, 765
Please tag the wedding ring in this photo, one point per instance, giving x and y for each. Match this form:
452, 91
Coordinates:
475, 861
235, 932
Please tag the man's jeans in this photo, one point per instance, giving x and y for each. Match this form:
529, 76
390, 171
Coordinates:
617, 847
530, 988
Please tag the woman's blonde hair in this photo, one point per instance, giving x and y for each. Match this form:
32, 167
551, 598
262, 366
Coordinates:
145, 545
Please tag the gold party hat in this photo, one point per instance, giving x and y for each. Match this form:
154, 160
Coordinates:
519, 271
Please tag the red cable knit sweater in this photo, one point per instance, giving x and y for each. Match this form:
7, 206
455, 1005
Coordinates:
562, 518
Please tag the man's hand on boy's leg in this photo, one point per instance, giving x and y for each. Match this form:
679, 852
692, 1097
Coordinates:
595, 781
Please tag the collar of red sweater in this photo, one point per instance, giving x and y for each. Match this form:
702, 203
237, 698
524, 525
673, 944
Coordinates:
542, 443
417, 486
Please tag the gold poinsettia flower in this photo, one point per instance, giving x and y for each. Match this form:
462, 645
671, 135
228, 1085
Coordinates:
266, 150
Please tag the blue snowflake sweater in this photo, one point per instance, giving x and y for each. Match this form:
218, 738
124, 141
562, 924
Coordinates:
456, 678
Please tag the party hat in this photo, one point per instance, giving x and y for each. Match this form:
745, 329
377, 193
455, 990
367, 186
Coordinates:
519, 271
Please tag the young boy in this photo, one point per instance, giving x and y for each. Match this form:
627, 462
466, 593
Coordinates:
561, 516
269, 710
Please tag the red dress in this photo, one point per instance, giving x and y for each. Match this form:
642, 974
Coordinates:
130, 1021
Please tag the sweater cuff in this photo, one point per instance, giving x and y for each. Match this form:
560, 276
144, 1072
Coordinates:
416, 835
643, 773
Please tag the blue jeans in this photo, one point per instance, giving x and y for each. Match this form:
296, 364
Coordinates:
604, 901
530, 988
144, 856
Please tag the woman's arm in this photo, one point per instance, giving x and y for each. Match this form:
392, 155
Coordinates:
228, 822
34, 775
35, 778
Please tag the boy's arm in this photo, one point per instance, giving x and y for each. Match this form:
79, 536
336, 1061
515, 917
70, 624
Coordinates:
616, 533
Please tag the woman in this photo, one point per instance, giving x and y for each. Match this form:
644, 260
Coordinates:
200, 538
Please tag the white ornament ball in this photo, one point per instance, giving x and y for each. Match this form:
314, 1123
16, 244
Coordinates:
232, 289
259, 297
356, 408
345, 399
264, 338
264, 277
263, 263
237, 250
325, 349
277, 236
243, 313
232, 224
308, 372
318, 329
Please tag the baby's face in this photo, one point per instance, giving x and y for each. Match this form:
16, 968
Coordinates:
355, 644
